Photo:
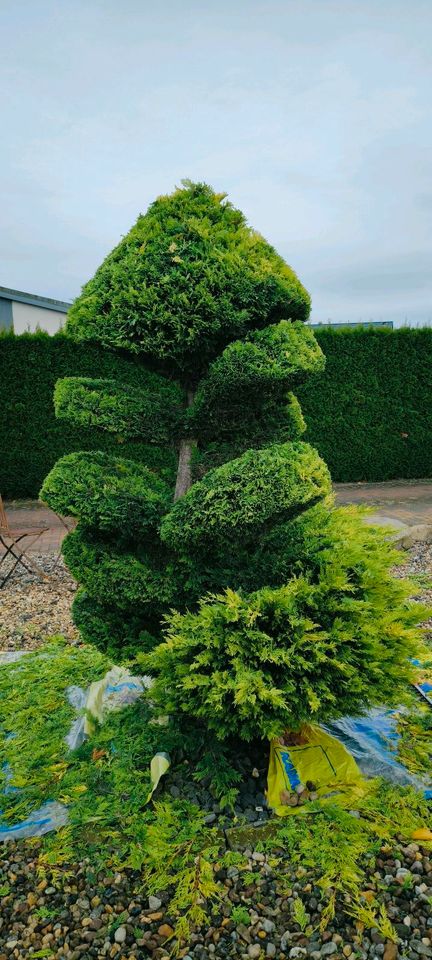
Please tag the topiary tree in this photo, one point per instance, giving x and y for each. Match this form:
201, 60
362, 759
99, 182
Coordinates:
285, 606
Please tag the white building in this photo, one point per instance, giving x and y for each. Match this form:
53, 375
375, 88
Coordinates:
22, 312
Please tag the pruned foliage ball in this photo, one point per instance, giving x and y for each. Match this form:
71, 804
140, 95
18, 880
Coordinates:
107, 493
244, 496
136, 581
105, 626
152, 414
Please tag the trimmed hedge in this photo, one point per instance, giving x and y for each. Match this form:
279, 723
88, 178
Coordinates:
31, 438
369, 414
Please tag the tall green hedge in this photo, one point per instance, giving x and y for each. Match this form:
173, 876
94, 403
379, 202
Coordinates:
31, 438
369, 414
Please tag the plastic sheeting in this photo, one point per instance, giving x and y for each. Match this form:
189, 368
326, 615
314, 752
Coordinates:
117, 689
373, 742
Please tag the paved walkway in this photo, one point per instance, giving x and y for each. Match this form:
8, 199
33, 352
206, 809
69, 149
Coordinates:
406, 501
26, 515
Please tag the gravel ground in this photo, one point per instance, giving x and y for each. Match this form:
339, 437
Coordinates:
82, 914
417, 563
32, 609
85, 915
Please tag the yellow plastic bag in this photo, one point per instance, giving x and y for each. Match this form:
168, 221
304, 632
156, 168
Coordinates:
319, 759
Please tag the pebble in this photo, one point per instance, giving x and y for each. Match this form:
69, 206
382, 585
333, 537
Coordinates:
154, 903
328, 948
120, 935
402, 873
254, 951
391, 951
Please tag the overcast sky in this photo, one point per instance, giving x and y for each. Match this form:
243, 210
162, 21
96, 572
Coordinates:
313, 115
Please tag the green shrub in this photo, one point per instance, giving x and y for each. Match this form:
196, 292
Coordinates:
319, 647
274, 359
242, 497
104, 625
112, 575
246, 395
151, 413
370, 413
31, 437
307, 617
107, 492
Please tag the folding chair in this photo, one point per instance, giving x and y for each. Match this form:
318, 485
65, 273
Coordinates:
13, 543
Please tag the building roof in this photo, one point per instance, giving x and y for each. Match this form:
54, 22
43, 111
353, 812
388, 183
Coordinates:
46, 303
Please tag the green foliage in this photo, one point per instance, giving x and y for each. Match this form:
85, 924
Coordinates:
335, 639
369, 414
241, 497
375, 389
226, 434
106, 784
112, 575
108, 493
299, 914
288, 633
240, 915
44, 913
269, 362
31, 436
32, 694
337, 847
215, 765
186, 280
106, 626
184, 851
152, 413
415, 731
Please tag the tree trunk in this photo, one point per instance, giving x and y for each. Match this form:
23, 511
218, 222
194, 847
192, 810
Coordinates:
184, 470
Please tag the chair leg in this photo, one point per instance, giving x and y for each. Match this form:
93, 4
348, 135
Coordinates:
68, 530
8, 551
32, 566
28, 563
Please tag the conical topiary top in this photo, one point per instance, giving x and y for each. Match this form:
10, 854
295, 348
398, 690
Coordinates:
187, 279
